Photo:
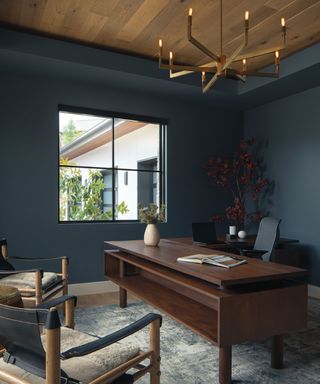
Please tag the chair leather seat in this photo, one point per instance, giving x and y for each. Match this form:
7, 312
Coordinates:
84, 368
27, 281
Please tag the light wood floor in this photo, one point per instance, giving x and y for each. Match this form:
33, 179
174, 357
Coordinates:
102, 299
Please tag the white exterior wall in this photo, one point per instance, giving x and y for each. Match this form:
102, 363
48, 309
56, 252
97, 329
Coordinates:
139, 145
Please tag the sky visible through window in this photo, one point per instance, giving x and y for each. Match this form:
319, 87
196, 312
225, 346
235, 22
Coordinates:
76, 125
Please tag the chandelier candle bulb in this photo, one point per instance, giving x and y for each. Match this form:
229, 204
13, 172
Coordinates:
246, 26
277, 61
246, 21
244, 65
160, 53
284, 30
189, 21
171, 63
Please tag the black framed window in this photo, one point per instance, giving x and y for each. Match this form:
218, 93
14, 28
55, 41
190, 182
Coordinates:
109, 163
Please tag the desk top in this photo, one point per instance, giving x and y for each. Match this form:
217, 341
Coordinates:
168, 251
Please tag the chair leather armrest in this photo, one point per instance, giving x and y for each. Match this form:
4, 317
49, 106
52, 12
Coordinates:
95, 345
59, 300
21, 271
36, 258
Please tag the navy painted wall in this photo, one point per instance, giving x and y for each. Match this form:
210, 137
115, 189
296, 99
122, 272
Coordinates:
29, 166
290, 128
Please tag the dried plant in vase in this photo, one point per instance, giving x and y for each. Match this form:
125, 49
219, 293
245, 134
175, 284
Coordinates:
151, 215
242, 175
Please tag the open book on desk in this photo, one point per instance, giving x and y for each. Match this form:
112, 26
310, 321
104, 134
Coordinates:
216, 260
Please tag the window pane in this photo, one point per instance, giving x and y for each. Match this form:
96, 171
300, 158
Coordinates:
85, 140
136, 143
85, 194
135, 188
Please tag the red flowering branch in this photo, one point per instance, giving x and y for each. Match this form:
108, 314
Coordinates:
242, 176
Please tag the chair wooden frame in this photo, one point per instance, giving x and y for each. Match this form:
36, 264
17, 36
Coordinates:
37, 295
53, 363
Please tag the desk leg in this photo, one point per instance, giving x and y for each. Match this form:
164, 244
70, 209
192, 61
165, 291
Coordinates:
277, 352
122, 292
123, 298
225, 358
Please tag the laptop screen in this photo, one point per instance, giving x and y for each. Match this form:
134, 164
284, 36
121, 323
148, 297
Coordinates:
204, 232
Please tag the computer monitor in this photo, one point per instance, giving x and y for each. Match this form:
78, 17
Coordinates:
204, 233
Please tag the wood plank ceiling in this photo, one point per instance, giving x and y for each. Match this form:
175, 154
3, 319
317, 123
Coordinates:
134, 26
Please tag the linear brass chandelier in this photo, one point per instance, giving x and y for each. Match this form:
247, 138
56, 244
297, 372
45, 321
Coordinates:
220, 65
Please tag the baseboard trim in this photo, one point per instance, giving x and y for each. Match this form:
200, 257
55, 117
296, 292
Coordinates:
92, 288
314, 291
108, 286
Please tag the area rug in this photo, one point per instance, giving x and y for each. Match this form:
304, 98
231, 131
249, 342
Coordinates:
189, 359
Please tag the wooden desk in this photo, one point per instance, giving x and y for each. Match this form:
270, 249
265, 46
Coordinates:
226, 306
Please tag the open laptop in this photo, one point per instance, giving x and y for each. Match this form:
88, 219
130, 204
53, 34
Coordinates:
205, 234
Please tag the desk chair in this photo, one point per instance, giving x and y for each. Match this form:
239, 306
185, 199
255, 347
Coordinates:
33, 357
266, 241
35, 286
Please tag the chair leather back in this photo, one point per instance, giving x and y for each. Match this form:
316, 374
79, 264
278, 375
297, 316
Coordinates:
267, 237
20, 336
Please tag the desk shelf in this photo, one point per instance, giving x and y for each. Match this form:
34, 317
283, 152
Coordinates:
192, 302
198, 317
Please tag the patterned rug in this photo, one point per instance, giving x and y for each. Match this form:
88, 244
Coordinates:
189, 359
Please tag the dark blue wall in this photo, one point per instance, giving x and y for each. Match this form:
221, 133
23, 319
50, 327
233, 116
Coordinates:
290, 129
29, 165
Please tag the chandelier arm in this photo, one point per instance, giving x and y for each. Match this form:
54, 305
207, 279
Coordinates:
209, 64
166, 66
197, 43
235, 54
210, 83
225, 66
190, 68
261, 52
203, 49
180, 73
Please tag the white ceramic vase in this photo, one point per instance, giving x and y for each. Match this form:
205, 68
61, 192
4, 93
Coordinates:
151, 235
